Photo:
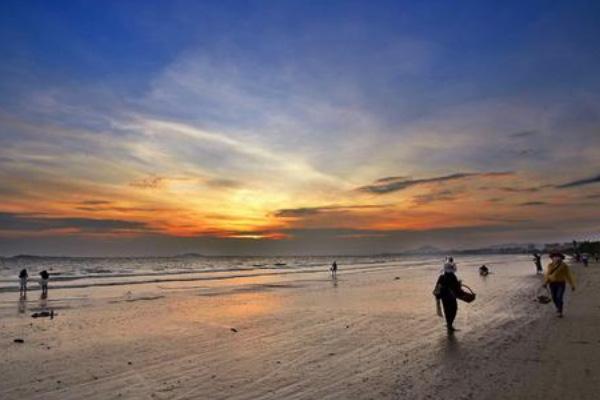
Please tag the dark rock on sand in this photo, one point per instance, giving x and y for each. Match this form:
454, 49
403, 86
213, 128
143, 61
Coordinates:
43, 314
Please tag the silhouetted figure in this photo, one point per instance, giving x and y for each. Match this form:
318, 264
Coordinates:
23, 275
558, 274
585, 259
537, 259
334, 269
446, 288
484, 271
44, 277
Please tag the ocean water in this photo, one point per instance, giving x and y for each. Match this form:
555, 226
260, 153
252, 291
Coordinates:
67, 272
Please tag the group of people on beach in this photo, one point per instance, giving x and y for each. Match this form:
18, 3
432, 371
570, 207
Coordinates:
24, 278
449, 288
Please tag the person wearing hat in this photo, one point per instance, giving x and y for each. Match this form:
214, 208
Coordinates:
445, 291
557, 275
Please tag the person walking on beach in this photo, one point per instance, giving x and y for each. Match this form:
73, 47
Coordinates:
558, 274
537, 259
23, 275
44, 276
446, 288
334, 270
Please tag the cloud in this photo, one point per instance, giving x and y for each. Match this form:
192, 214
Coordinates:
94, 202
531, 189
523, 134
309, 211
444, 195
151, 182
533, 203
581, 182
394, 184
22, 222
391, 179
118, 209
223, 183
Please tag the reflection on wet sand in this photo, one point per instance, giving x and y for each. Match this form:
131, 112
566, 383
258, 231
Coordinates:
22, 303
43, 301
229, 309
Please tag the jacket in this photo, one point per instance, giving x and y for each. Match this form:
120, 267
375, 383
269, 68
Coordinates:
559, 273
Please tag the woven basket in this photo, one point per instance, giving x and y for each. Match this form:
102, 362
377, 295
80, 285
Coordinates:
467, 296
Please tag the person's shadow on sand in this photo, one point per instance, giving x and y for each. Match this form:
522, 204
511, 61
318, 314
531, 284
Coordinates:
450, 346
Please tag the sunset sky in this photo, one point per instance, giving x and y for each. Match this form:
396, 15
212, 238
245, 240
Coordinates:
296, 127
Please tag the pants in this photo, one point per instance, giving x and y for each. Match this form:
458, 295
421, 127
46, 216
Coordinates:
450, 309
557, 289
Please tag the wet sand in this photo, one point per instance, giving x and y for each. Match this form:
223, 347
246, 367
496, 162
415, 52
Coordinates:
367, 335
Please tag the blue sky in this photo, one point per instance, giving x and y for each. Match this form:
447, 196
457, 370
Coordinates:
234, 111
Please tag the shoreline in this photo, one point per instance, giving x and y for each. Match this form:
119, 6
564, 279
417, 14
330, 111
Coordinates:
362, 336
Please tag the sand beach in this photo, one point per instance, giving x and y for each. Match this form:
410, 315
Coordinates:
278, 334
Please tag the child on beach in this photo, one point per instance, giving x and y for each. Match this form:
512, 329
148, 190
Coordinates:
334, 269
44, 276
558, 274
23, 275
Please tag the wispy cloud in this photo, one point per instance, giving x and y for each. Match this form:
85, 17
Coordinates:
523, 134
27, 222
443, 195
94, 202
533, 203
309, 211
580, 182
517, 189
394, 184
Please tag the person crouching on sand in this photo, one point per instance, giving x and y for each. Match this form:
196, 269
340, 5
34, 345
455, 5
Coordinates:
445, 291
558, 274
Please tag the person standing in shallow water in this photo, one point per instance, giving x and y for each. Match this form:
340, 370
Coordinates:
44, 276
23, 275
445, 291
334, 269
557, 275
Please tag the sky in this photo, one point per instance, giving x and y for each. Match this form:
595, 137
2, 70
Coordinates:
296, 127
